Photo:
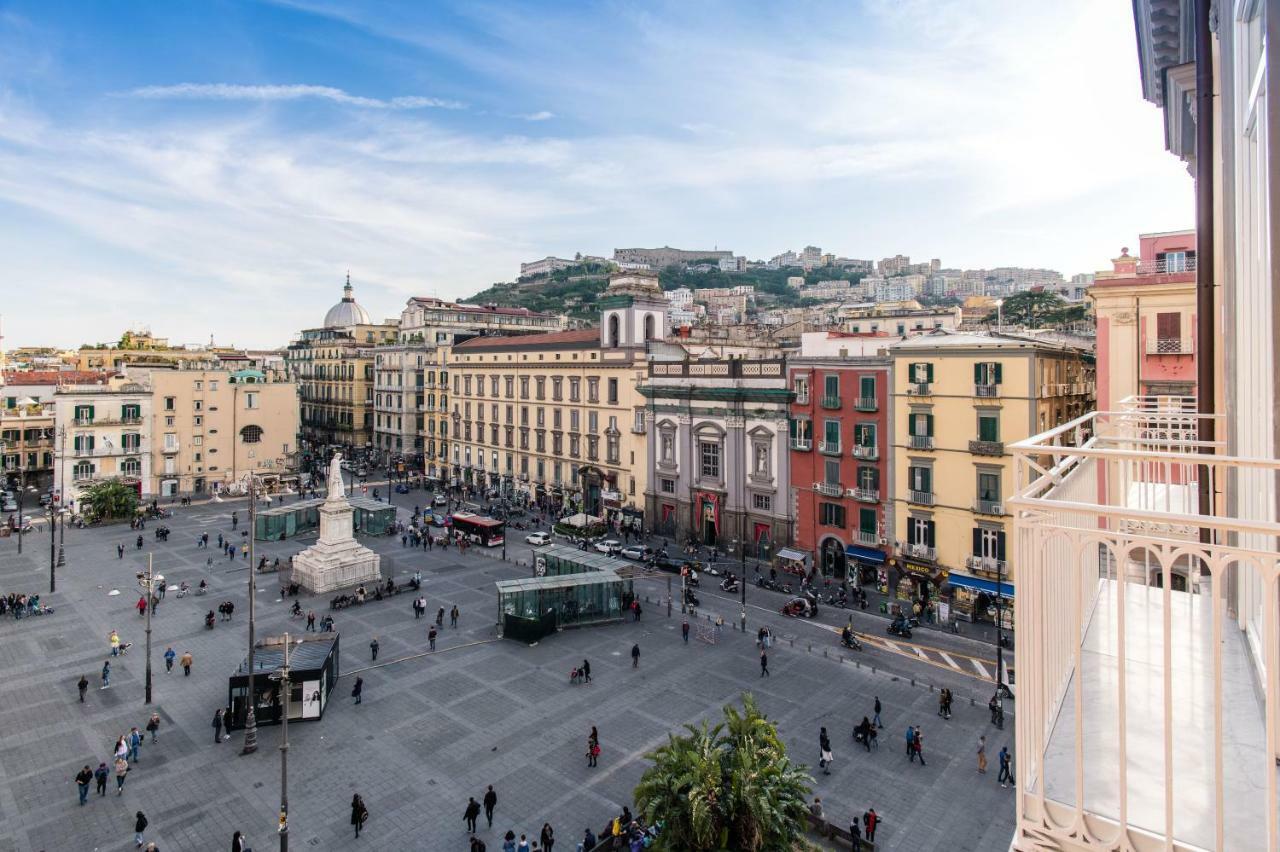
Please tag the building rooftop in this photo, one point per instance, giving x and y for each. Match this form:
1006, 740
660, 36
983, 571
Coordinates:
55, 377
582, 338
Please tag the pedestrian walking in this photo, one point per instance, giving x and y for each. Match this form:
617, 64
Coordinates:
419, 607
106, 674
217, 726
824, 752
119, 551
169, 657
490, 802
453, 616
918, 744
431, 637
83, 686
373, 648
911, 743
684, 631
185, 662
855, 834
876, 717
122, 769
135, 743
114, 639
471, 814
153, 725
440, 617
100, 776
238, 843
83, 779
359, 813
635, 656
586, 671
1006, 769
764, 663
139, 826
357, 689
869, 822
311, 620
235, 520
593, 751
548, 837
982, 754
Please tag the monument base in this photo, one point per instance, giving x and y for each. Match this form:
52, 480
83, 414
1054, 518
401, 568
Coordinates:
324, 568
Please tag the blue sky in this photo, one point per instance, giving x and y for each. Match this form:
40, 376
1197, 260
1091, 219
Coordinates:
216, 168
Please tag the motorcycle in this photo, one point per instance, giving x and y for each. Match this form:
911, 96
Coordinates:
837, 601
183, 589
900, 628
848, 640
690, 598
729, 584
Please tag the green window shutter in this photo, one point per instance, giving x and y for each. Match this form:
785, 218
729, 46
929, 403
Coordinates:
988, 429
926, 479
977, 374
868, 387
928, 422
911, 425
875, 479
867, 520
91, 412
928, 371
977, 541
1000, 546
930, 538
90, 441
999, 373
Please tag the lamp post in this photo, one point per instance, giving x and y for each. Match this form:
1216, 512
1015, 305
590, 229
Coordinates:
53, 522
22, 491
999, 634
250, 717
147, 583
62, 503
285, 689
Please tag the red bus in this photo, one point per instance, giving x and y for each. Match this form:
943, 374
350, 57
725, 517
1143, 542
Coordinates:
479, 529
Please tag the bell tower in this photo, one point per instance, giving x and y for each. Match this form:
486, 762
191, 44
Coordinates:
633, 311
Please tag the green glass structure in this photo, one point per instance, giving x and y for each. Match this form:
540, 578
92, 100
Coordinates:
573, 588
371, 517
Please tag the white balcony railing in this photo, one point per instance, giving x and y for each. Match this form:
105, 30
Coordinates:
921, 442
830, 489
1166, 266
866, 452
1148, 653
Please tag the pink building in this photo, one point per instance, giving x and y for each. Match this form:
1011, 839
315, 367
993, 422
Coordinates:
1146, 320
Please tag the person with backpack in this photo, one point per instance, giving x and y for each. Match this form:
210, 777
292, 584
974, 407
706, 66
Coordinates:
359, 813
139, 826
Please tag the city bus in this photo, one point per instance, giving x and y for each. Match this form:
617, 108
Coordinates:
479, 529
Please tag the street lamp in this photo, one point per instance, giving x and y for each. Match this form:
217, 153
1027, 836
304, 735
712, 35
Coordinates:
251, 718
147, 583
22, 491
285, 688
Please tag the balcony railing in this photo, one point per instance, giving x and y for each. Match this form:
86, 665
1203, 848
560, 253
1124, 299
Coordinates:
801, 444
919, 389
831, 448
1166, 266
1155, 635
922, 498
830, 489
867, 453
866, 539
987, 565
866, 403
922, 442
1168, 346
986, 448
865, 495
986, 391
920, 551
832, 402
988, 507
802, 398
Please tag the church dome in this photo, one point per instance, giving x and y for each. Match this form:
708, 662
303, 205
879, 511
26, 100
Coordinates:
347, 312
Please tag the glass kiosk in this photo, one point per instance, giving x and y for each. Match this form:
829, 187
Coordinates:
313, 671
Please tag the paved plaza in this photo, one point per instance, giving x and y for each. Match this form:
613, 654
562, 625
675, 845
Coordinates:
434, 729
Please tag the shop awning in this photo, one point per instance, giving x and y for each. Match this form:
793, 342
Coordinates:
866, 554
980, 585
792, 554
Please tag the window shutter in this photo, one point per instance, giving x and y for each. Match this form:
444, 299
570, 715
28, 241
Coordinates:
929, 529
1169, 326
928, 372
977, 541
875, 479
928, 423
1000, 546
91, 412
911, 425
999, 373
977, 374
90, 442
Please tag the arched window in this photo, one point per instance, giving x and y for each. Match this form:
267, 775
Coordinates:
251, 434
648, 326
614, 335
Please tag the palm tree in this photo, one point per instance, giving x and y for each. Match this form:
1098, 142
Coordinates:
108, 499
730, 786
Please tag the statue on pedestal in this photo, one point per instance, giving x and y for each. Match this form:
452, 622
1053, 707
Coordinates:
336, 491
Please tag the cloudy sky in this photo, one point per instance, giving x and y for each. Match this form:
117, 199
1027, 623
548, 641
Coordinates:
216, 168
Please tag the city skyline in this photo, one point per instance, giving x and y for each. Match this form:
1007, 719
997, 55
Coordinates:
244, 159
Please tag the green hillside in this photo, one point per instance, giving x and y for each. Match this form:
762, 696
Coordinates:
574, 290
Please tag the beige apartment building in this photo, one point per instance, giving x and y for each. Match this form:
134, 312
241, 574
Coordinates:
108, 434
211, 429
959, 399
559, 416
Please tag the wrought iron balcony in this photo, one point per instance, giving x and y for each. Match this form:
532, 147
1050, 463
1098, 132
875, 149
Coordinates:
865, 495
831, 448
922, 498
830, 489
801, 444
867, 539
988, 507
986, 391
922, 442
866, 452
831, 401
919, 389
986, 448
920, 551
866, 403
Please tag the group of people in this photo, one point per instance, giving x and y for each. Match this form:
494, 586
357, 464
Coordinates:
20, 606
125, 755
625, 832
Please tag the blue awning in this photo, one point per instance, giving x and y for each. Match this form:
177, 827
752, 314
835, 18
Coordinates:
980, 585
866, 554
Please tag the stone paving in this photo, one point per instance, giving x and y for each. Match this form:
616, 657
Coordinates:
432, 729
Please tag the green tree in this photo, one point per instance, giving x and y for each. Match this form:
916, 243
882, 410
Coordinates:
109, 499
730, 786
1032, 308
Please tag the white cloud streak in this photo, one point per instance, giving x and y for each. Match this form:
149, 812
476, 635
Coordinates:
292, 92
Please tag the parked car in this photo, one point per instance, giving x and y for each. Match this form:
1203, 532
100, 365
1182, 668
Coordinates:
800, 607
439, 500
538, 539
636, 552
610, 546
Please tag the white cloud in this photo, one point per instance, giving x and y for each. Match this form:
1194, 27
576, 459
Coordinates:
541, 115
292, 92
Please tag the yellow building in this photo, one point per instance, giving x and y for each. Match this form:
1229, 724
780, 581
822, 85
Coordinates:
210, 429
435, 415
558, 416
107, 429
959, 399
334, 368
